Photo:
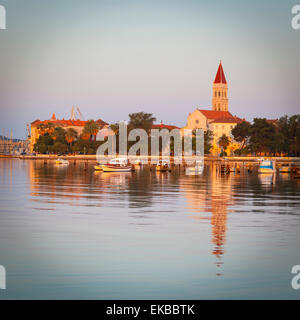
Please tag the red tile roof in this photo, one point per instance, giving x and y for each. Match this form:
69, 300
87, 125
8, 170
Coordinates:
64, 123
163, 126
213, 115
220, 76
273, 121
228, 120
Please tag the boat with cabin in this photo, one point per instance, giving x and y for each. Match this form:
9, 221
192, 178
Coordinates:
267, 166
62, 161
116, 165
285, 168
197, 169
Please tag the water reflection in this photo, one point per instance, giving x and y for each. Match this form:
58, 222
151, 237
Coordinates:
147, 234
210, 197
211, 194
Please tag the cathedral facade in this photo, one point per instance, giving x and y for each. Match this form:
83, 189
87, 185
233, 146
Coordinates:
219, 120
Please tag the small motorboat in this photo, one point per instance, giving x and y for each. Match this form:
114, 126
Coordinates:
196, 170
163, 165
226, 168
267, 166
137, 162
117, 165
61, 161
98, 167
285, 168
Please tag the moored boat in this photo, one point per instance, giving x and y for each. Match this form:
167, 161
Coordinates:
117, 165
163, 165
297, 175
61, 161
266, 166
195, 170
285, 168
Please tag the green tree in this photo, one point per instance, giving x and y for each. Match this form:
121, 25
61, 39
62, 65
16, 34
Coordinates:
262, 136
59, 135
224, 142
71, 135
40, 148
41, 129
58, 147
141, 120
294, 134
241, 134
43, 143
90, 130
208, 137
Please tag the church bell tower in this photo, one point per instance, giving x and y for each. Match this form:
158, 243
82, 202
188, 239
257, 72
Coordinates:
220, 91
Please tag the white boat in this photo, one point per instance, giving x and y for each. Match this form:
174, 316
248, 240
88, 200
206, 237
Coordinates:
117, 165
196, 170
61, 161
267, 166
137, 162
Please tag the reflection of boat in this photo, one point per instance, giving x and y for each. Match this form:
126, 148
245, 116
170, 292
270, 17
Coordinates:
267, 179
163, 165
117, 165
266, 166
61, 161
285, 168
249, 167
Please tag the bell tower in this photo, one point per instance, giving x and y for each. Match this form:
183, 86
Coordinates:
220, 91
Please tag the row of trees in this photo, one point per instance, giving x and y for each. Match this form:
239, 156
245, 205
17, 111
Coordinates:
55, 139
269, 138
260, 137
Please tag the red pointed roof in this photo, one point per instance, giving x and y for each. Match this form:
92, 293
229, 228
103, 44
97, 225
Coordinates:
220, 76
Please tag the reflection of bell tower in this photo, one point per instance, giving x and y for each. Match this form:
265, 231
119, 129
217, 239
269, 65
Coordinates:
220, 91
218, 221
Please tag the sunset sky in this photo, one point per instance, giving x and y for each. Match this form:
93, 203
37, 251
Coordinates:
115, 57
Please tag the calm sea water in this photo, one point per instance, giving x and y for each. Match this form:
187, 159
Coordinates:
67, 232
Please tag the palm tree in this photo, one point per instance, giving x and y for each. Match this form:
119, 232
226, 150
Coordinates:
141, 120
41, 129
49, 128
58, 133
224, 142
91, 129
71, 135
